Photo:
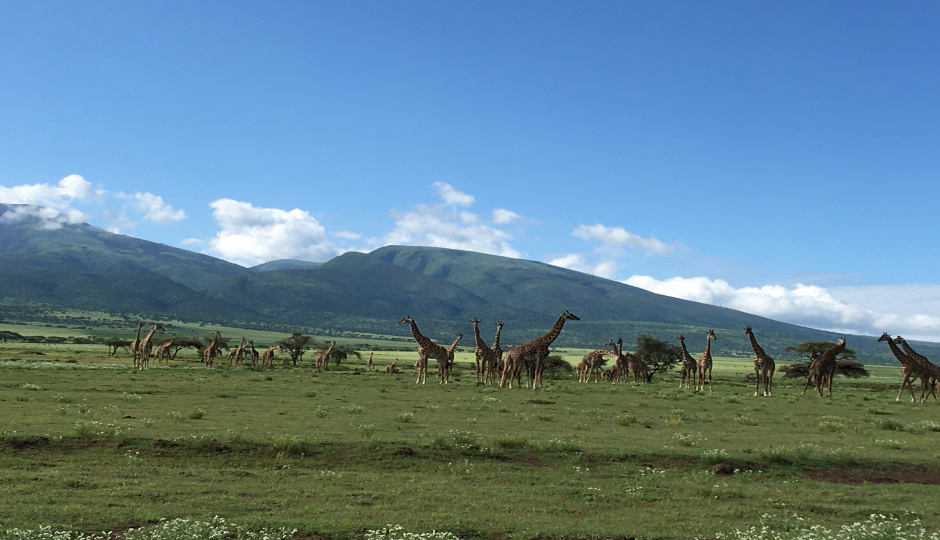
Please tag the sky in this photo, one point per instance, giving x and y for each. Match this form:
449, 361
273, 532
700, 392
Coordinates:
780, 158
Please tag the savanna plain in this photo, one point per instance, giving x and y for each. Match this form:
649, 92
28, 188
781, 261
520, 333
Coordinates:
89, 444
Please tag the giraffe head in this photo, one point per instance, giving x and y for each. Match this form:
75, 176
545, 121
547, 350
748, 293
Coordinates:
842, 342
500, 324
681, 339
406, 320
569, 316
158, 327
898, 340
475, 321
711, 335
885, 337
747, 330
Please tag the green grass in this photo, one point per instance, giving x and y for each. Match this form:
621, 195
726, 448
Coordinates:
98, 446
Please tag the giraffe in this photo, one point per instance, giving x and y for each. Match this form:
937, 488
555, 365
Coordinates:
532, 354
495, 365
162, 353
390, 368
210, 352
636, 365
146, 346
594, 360
923, 361
688, 365
824, 368
764, 365
253, 353
369, 362
267, 357
483, 354
621, 368
235, 355
910, 368
450, 360
426, 349
323, 359
704, 363
135, 353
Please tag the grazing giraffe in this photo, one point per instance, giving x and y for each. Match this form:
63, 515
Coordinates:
594, 361
531, 355
426, 349
235, 355
688, 365
135, 353
210, 352
267, 357
764, 365
146, 346
923, 361
253, 353
162, 353
390, 368
704, 363
483, 354
824, 368
323, 359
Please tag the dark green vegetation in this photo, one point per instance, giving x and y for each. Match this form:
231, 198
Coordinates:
78, 267
96, 446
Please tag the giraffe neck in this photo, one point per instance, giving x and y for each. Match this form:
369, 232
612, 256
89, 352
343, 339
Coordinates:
419, 337
499, 328
708, 346
476, 336
902, 358
450, 350
138, 331
150, 333
909, 351
685, 352
757, 350
552, 334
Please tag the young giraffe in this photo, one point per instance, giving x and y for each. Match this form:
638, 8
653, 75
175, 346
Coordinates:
390, 368
162, 353
253, 353
426, 349
688, 365
235, 355
135, 353
267, 357
450, 359
532, 354
323, 359
210, 352
495, 366
146, 346
369, 362
764, 365
929, 366
483, 354
704, 363
824, 368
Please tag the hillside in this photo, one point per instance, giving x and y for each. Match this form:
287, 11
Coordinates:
83, 267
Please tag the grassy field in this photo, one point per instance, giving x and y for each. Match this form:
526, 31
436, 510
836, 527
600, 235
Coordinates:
90, 444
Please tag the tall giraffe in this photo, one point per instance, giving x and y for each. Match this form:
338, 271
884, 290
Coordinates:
704, 363
688, 365
495, 366
445, 375
146, 346
824, 368
210, 352
235, 355
764, 365
532, 354
135, 353
253, 353
323, 359
267, 357
925, 362
908, 366
483, 354
369, 362
637, 366
426, 349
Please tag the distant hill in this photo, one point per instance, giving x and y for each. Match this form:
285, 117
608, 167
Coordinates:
25, 243
83, 267
284, 264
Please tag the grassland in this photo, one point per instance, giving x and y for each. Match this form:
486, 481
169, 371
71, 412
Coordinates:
88, 443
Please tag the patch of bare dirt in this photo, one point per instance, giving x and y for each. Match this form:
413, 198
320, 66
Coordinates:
859, 477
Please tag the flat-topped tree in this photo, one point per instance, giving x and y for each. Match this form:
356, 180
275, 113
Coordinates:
296, 346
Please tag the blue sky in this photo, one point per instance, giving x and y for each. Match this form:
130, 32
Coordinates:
779, 158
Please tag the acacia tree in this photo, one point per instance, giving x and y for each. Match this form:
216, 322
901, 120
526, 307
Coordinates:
340, 353
808, 347
296, 345
660, 356
181, 342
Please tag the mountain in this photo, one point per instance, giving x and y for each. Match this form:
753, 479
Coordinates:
28, 241
284, 264
53, 264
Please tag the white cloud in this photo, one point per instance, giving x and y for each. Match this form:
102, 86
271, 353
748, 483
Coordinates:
621, 237
154, 209
56, 201
252, 235
501, 216
348, 235
452, 196
806, 305
573, 261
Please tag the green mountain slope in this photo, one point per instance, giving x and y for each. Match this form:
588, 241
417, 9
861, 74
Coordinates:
284, 264
25, 243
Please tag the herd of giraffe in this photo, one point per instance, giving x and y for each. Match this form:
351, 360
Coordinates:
529, 359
